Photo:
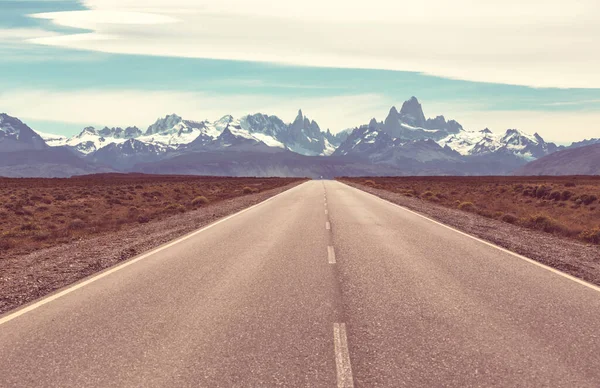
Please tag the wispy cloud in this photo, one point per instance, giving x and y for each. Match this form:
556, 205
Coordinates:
141, 108
538, 43
133, 107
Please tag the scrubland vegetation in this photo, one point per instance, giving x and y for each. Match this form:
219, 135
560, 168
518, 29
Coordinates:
38, 213
566, 206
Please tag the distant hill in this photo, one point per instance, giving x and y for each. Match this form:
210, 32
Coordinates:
23, 153
573, 161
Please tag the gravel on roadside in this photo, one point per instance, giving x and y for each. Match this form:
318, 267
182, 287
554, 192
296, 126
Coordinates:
569, 256
28, 277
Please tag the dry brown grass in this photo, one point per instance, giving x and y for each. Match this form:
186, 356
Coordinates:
38, 213
567, 206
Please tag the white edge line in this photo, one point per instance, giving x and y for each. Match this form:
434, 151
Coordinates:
342, 356
129, 262
331, 255
554, 270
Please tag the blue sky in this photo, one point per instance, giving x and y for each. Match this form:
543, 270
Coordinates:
69, 64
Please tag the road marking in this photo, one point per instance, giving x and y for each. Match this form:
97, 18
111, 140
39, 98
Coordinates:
531, 261
327, 225
330, 255
326, 211
109, 271
342, 356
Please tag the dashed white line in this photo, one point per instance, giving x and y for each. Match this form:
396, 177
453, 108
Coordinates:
342, 356
326, 211
327, 225
330, 255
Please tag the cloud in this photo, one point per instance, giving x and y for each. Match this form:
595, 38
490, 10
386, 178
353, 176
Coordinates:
141, 108
538, 43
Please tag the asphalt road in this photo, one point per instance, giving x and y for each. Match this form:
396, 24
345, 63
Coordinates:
322, 286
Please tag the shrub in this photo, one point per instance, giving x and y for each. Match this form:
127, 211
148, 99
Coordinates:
427, 194
570, 184
370, 182
566, 195
60, 197
545, 223
76, 224
199, 201
542, 191
249, 190
509, 218
6, 243
29, 226
143, 219
591, 235
175, 208
588, 199
41, 236
555, 196
467, 206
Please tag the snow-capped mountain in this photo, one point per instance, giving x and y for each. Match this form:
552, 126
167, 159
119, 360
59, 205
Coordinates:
24, 153
17, 136
406, 135
513, 142
175, 133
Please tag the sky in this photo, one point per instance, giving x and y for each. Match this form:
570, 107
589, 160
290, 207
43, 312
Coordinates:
526, 64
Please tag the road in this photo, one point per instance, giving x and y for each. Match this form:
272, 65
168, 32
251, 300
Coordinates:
321, 286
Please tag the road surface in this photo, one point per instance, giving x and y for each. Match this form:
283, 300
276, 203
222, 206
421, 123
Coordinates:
321, 286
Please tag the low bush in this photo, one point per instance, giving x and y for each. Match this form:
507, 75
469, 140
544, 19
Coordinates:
467, 206
510, 218
200, 200
588, 199
175, 208
250, 190
76, 224
591, 235
565, 195
544, 223
143, 219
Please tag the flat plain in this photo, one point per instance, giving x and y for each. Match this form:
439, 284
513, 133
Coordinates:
40, 213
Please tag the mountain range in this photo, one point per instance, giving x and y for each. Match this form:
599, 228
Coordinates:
405, 143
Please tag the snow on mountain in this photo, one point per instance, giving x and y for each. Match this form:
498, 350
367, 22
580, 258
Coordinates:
173, 131
17, 136
513, 141
52, 139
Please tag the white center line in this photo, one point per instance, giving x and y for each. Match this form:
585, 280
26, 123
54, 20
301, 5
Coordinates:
326, 211
327, 225
331, 255
342, 356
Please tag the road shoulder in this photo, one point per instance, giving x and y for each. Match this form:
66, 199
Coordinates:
26, 278
569, 256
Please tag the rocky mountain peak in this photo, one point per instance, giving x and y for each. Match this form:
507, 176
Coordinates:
412, 112
164, 124
16, 135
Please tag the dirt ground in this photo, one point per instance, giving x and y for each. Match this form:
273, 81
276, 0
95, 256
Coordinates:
27, 276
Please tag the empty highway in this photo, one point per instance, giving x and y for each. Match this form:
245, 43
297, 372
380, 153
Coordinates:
321, 286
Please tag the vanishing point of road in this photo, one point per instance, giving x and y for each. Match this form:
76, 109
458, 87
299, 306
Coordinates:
321, 286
